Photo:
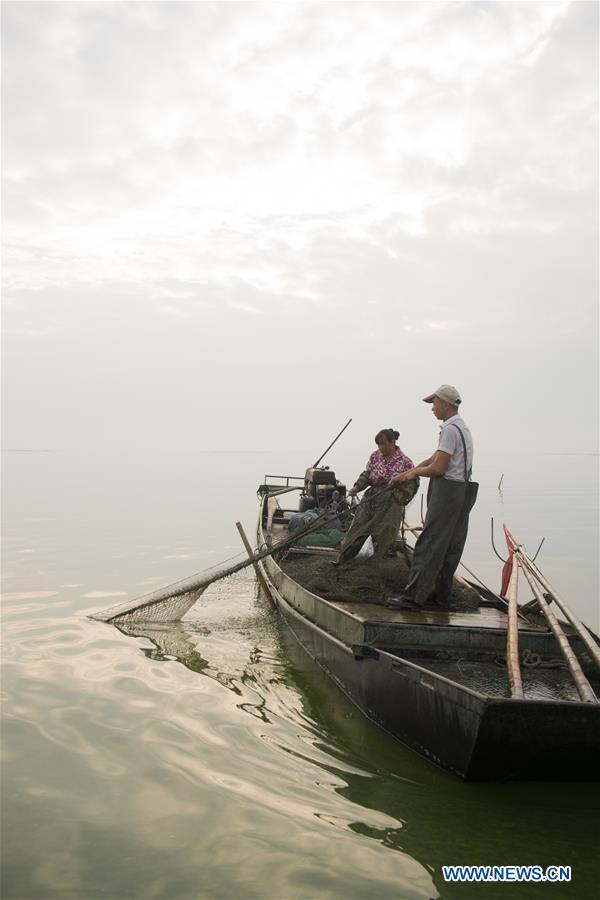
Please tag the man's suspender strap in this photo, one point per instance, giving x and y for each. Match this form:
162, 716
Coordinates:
462, 437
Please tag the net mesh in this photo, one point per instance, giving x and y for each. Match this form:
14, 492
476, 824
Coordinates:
170, 603
365, 580
539, 683
170, 609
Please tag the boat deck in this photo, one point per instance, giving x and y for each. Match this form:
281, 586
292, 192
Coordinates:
490, 679
483, 617
372, 623
372, 610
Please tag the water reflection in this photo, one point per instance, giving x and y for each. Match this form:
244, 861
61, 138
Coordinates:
127, 775
173, 642
392, 797
298, 751
170, 642
443, 820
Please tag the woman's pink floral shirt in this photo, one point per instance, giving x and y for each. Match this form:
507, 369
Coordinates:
381, 468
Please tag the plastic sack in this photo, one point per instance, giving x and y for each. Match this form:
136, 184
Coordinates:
367, 549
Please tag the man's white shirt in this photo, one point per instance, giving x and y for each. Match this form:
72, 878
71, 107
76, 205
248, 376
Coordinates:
450, 442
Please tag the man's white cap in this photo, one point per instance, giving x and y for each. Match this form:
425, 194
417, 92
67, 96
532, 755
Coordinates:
445, 392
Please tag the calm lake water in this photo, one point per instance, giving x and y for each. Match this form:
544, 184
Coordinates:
214, 759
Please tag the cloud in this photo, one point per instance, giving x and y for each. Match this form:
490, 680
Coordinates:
199, 115
247, 308
237, 176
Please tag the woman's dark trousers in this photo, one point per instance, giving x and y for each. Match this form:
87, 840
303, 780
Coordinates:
379, 514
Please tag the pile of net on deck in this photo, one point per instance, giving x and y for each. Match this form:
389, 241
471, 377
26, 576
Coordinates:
363, 580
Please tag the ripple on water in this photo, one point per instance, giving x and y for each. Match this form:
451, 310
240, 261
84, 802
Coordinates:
198, 741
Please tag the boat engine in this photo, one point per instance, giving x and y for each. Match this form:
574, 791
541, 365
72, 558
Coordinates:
320, 487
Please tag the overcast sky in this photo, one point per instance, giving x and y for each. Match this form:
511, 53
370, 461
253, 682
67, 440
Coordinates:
321, 210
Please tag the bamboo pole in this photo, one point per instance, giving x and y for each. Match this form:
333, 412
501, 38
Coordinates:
583, 686
577, 624
512, 637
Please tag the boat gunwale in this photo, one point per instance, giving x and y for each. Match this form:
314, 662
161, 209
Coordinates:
352, 616
430, 626
295, 613
389, 649
487, 700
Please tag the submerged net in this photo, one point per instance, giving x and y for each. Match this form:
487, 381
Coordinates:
159, 609
170, 603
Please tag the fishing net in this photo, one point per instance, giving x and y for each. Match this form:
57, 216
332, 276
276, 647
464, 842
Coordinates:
541, 682
161, 609
170, 641
170, 603
365, 580
372, 580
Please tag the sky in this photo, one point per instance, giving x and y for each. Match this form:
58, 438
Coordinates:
239, 224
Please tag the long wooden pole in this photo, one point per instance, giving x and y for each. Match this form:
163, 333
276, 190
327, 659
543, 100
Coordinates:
198, 582
577, 624
583, 686
512, 638
261, 578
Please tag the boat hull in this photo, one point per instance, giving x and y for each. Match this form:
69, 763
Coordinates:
473, 736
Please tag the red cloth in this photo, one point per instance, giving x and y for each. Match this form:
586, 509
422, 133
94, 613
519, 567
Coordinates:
506, 575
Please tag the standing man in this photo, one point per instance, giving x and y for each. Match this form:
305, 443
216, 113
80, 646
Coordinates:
450, 498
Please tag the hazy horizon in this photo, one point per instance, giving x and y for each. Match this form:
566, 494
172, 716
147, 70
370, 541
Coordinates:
239, 224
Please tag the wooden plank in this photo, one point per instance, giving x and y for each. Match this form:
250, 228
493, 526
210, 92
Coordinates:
483, 617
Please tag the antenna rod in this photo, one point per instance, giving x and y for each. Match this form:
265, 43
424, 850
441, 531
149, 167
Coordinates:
331, 444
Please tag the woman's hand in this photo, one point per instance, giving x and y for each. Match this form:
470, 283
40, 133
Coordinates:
353, 491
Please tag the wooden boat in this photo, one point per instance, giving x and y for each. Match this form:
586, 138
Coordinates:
438, 680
